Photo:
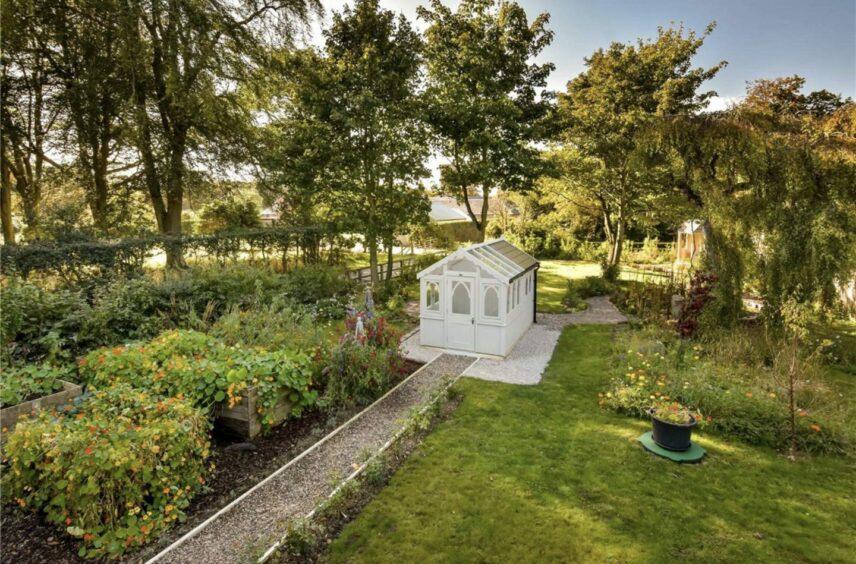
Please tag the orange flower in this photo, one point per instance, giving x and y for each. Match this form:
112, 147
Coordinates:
815, 427
87, 450
748, 394
68, 520
803, 413
88, 537
82, 362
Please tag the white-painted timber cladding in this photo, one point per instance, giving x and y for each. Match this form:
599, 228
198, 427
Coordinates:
480, 299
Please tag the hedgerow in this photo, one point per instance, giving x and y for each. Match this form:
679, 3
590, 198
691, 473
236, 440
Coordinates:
115, 471
85, 260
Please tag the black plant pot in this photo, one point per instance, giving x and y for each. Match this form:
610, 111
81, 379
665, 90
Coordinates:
672, 436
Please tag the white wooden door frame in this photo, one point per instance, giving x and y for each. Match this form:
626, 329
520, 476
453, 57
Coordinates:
461, 324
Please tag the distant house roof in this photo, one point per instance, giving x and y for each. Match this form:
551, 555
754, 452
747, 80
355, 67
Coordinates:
269, 214
442, 211
498, 256
448, 209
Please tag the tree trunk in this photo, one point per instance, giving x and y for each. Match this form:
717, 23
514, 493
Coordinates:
372, 244
479, 220
6, 204
389, 259
617, 243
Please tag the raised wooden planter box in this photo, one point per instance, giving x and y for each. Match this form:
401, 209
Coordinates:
9, 415
244, 419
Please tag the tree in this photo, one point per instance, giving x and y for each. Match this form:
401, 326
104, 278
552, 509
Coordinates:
28, 113
82, 42
779, 185
608, 113
783, 97
349, 137
186, 61
484, 97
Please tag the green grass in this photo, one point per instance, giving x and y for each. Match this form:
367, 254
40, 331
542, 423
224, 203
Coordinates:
539, 473
352, 259
552, 277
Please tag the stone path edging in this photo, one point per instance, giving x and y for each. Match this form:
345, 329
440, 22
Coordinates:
174, 552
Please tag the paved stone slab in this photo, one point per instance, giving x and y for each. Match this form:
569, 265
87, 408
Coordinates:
412, 350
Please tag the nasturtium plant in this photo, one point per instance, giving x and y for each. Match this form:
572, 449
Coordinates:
23, 383
114, 470
192, 365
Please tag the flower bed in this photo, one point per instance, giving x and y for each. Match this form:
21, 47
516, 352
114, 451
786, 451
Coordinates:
211, 375
114, 471
742, 401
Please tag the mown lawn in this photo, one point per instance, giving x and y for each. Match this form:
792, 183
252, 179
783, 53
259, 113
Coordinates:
552, 278
540, 473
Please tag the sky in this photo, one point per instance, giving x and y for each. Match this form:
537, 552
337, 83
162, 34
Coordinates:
815, 39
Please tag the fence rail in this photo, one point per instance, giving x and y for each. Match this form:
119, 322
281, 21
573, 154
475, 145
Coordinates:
399, 267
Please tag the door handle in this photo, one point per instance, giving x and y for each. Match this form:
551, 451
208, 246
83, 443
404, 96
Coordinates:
472, 320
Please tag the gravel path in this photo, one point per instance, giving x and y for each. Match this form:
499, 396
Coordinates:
248, 527
530, 356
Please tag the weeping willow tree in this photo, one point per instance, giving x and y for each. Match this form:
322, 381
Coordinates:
777, 184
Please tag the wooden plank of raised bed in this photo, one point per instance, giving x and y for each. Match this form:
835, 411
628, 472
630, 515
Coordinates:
244, 419
9, 415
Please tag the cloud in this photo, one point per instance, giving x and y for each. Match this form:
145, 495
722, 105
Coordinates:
721, 103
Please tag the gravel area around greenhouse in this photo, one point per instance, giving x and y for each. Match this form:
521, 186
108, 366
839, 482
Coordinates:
247, 528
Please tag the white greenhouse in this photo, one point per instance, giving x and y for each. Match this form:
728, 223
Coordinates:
480, 299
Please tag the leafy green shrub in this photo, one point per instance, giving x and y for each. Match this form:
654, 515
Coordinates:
127, 310
37, 324
229, 214
572, 299
238, 284
578, 290
363, 367
312, 283
192, 365
116, 471
23, 383
275, 327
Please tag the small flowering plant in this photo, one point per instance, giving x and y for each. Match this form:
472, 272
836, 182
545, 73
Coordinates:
674, 413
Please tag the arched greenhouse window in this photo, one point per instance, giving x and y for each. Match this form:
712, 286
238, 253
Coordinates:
461, 298
491, 302
432, 296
